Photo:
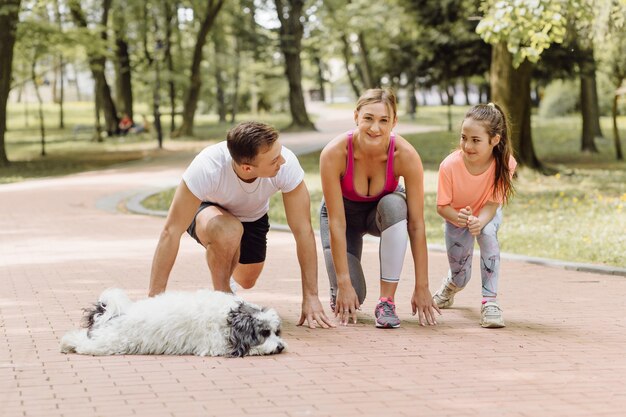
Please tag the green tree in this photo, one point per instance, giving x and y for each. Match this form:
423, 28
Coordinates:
519, 33
612, 58
39, 38
448, 47
291, 29
96, 43
210, 13
123, 71
9, 17
365, 35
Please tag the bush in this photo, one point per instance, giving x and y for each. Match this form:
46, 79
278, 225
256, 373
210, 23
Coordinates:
560, 98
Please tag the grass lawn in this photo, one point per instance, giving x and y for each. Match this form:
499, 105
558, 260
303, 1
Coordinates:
578, 215
73, 149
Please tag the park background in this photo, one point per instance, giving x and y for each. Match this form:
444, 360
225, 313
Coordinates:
191, 69
67, 180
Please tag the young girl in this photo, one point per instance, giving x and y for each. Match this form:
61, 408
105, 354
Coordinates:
474, 183
360, 170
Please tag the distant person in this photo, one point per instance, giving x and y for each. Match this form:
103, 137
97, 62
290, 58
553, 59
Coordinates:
360, 172
145, 126
222, 202
474, 182
125, 124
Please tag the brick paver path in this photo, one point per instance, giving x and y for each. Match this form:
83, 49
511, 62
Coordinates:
62, 242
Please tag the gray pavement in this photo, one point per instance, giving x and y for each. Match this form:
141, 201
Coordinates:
63, 240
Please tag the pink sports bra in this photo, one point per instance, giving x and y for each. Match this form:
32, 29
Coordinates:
347, 181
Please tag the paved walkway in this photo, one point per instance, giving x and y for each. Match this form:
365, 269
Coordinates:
63, 240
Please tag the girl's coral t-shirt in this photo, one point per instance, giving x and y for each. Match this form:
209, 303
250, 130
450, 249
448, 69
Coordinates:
459, 189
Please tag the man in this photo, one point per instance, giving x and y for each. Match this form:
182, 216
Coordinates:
222, 202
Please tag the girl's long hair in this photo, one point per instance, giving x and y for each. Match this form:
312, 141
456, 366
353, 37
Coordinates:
495, 121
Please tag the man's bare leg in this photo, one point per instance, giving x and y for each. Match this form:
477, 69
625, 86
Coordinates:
247, 274
220, 233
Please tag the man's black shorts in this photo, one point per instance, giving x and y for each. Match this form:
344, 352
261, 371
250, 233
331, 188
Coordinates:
253, 242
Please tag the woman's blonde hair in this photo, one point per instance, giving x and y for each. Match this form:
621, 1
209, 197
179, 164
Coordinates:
378, 95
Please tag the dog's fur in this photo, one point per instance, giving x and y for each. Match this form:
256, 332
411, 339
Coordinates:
176, 323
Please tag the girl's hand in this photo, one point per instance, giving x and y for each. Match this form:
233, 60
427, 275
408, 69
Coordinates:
464, 216
347, 304
422, 302
474, 225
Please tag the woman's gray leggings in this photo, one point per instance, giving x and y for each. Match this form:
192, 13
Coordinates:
386, 218
460, 247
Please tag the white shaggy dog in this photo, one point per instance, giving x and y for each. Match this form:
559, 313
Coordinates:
176, 323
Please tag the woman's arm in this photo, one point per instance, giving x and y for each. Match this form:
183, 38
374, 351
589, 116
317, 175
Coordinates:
409, 166
332, 164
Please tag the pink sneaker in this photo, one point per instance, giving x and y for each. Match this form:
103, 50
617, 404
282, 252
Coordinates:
385, 313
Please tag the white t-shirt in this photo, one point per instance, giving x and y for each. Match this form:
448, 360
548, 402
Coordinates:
211, 178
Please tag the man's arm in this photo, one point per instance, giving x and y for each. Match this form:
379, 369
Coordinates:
181, 213
297, 209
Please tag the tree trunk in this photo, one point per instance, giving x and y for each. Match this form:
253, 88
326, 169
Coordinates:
97, 63
97, 136
450, 95
220, 96
345, 50
42, 129
237, 75
170, 23
442, 99
588, 143
195, 82
412, 101
589, 107
510, 88
111, 119
78, 95
8, 24
616, 139
124, 75
291, 44
61, 71
366, 66
321, 81
61, 96
466, 91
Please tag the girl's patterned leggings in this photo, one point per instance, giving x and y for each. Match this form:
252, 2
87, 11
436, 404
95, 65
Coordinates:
460, 248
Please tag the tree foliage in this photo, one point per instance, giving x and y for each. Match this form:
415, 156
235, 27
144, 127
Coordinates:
528, 27
249, 58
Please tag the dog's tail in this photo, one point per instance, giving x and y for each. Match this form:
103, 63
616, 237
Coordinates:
112, 302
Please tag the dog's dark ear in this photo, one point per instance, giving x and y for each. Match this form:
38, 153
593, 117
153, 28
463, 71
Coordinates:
90, 314
243, 330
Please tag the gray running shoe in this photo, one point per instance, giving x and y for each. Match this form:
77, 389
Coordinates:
385, 313
491, 315
444, 298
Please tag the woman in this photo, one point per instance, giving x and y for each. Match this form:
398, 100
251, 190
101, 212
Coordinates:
360, 173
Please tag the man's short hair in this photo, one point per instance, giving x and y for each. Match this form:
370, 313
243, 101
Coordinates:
246, 140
